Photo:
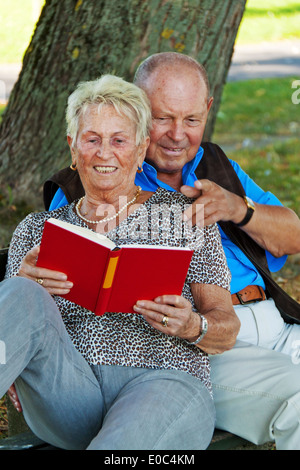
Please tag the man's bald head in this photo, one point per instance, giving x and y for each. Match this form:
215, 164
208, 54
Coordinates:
173, 61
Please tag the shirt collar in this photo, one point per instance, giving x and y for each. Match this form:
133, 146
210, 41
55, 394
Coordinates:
148, 178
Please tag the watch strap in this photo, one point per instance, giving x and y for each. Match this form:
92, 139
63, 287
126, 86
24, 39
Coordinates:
248, 215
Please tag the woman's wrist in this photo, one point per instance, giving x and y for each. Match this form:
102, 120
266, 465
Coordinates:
203, 331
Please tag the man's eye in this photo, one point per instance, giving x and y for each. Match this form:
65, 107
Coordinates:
193, 122
161, 119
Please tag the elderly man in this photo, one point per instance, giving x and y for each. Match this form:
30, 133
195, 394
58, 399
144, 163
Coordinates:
256, 382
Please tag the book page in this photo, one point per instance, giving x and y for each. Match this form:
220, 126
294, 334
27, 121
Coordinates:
157, 247
84, 232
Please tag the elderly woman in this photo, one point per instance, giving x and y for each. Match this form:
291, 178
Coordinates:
122, 380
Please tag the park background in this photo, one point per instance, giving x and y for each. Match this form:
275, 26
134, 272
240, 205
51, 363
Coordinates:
257, 125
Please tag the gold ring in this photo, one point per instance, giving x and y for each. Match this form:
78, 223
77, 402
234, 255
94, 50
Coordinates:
165, 321
39, 281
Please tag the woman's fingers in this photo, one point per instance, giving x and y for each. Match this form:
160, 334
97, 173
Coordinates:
54, 281
12, 394
169, 314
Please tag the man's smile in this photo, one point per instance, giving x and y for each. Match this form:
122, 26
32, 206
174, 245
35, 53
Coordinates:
170, 149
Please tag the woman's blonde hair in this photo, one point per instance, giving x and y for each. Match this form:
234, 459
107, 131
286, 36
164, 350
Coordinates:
125, 97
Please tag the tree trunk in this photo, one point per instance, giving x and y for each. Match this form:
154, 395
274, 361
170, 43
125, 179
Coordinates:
80, 40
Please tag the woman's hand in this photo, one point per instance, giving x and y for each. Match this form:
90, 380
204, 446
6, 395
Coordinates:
13, 396
171, 314
53, 281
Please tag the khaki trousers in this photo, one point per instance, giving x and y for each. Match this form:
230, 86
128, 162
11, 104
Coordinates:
257, 383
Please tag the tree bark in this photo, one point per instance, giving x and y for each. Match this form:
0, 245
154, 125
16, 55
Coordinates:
80, 40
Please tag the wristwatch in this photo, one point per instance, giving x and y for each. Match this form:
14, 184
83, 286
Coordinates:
250, 210
203, 330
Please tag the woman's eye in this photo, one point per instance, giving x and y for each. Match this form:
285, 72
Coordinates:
92, 140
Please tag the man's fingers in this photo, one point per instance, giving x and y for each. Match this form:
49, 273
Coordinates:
189, 191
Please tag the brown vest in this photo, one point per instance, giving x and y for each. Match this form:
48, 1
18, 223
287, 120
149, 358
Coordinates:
216, 167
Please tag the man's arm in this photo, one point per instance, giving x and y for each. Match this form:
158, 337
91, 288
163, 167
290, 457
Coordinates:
274, 228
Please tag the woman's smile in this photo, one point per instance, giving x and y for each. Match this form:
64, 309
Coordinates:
105, 169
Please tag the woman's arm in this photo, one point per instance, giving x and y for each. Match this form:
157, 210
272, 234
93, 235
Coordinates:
215, 304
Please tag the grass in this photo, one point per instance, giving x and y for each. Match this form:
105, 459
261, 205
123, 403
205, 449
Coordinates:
269, 20
257, 109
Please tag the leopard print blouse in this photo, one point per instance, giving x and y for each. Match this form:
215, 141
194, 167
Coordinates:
126, 339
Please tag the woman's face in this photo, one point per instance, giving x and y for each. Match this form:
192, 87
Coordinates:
105, 152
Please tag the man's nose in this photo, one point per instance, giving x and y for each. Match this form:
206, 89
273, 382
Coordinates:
176, 131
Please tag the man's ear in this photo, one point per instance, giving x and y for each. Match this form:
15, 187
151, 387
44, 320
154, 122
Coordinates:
209, 103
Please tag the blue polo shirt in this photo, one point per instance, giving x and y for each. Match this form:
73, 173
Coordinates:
243, 271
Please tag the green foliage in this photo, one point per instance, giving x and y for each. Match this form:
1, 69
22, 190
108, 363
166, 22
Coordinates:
17, 20
269, 20
2, 107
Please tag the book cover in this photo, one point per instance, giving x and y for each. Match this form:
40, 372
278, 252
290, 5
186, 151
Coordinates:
108, 278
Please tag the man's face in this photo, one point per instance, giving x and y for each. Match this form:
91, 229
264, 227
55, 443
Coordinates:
179, 113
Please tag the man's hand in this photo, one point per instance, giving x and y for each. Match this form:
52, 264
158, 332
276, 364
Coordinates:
212, 203
275, 228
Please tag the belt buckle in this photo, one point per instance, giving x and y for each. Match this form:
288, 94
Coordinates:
245, 302
242, 302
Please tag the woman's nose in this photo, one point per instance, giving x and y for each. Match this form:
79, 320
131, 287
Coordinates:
104, 150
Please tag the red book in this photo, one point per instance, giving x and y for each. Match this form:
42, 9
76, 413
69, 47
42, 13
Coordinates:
108, 278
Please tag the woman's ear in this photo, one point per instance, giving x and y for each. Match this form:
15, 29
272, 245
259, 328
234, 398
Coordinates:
142, 151
72, 150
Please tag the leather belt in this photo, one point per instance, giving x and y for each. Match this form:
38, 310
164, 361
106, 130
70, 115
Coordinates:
248, 295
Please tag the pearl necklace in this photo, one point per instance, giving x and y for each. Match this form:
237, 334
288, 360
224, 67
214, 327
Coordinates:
106, 219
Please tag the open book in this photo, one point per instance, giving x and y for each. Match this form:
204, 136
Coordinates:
108, 278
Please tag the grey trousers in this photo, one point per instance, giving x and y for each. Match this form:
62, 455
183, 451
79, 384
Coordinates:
72, 405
